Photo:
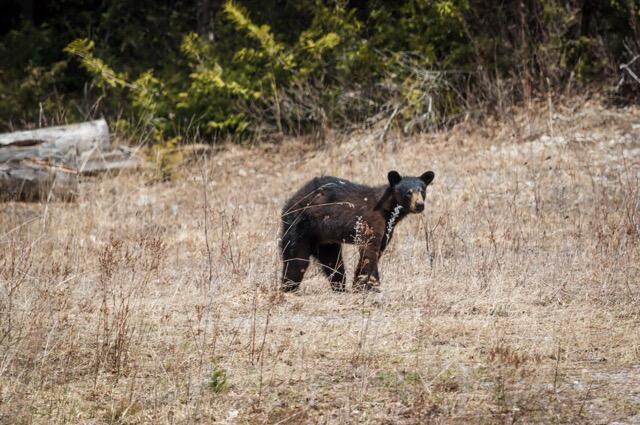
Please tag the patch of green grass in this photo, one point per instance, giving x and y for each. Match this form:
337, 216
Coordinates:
217, 380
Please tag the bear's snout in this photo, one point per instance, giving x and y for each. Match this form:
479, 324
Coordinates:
417, 202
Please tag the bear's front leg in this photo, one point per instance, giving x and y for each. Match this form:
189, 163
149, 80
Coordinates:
367, 277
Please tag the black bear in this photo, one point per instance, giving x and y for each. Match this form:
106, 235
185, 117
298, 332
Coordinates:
328, 211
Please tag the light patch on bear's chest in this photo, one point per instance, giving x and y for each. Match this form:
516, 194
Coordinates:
392, 220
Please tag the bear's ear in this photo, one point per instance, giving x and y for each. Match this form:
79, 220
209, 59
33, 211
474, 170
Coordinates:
394, 178
427, 177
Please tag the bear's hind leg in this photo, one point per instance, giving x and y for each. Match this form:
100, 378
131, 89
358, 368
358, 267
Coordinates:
295, 260
330, 258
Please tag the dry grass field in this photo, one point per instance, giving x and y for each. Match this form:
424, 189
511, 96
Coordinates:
514, 298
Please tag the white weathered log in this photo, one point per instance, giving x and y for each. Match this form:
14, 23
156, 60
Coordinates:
33, 180
120, 158
45, 164
60, 145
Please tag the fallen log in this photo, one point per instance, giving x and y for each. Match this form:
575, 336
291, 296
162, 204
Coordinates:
96, 162
30, 180
56, 144
46, 164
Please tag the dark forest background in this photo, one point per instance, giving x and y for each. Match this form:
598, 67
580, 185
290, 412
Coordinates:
202, 69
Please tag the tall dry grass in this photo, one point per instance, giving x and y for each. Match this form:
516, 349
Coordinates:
514, 298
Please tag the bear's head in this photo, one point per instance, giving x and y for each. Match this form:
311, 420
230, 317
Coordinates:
409, 192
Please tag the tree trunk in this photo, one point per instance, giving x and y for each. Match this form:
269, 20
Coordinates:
204, 17
588, 8
26, 10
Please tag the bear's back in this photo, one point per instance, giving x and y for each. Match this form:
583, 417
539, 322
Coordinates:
328, 189
328, 209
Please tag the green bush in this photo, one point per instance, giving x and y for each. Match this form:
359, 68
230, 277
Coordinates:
268, 66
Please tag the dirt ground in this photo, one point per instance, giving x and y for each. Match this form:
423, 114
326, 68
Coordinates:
514, 298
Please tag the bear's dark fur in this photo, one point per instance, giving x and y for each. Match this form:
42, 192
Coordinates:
328, 211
